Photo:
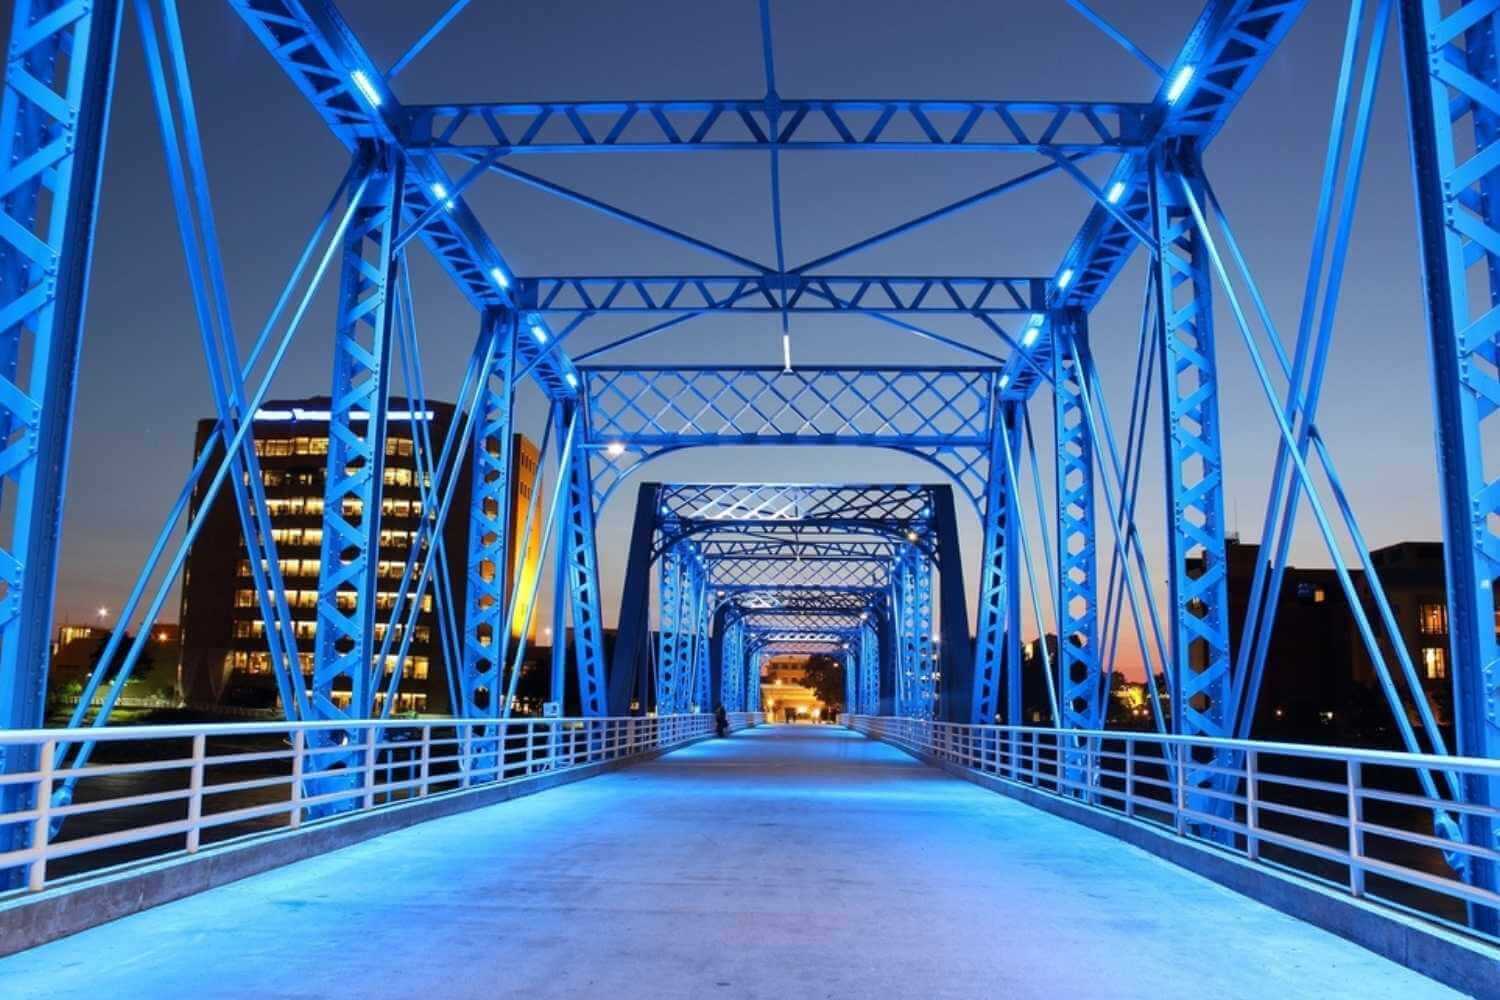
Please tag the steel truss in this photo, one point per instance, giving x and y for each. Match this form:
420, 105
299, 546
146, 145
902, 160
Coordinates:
747, 571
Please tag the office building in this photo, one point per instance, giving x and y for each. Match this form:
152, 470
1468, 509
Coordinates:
225, 658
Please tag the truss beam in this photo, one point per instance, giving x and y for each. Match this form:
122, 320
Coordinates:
775, 123
790, 293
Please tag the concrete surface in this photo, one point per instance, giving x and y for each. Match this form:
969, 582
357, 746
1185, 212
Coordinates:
784, 862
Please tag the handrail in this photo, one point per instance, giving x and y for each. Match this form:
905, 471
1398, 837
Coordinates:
229, 792
1281, 805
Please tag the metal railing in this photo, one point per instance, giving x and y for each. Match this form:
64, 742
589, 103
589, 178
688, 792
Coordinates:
153, 791
1355, 820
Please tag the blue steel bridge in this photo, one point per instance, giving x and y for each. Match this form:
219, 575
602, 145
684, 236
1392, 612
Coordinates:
935, 844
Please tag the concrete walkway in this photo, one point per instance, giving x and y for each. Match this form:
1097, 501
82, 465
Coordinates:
782, 863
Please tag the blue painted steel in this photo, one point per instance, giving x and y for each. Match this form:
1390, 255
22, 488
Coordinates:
54, 116
580, 561
779, 292
869, 671
1080, 681
1198, 575
486, 601
997, 644
941, 415
53, 120
343, 649
774, 123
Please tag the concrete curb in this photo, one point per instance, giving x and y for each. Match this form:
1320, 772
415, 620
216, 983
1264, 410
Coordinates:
94, 898
1465, 965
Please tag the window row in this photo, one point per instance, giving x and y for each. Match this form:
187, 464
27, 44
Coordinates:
384, 600
259, 662
389, 506
284, 447
256, 629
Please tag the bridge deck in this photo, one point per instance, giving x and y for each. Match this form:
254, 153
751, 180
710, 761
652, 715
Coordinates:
784, 862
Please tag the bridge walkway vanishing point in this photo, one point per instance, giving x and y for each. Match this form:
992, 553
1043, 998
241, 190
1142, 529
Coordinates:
786, 861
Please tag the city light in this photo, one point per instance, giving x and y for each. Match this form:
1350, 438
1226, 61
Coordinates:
103, 613
1180, 83
366, 87
1116, 191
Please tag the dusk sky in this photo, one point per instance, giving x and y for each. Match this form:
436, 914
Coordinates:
273, 167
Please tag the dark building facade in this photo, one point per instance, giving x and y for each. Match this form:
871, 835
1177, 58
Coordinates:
225, 659
1319, 682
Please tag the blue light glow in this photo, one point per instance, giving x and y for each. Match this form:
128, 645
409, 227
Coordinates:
1116, 191
1180, 83
1029, 337
539, 334
572, 379
366, 87
1065, 279
499, 277
1004, 381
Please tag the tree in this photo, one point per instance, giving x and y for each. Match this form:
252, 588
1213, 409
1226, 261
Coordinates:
825, 675
143, 663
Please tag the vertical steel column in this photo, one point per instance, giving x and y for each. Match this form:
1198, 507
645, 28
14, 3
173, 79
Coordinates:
709, 692
888, 646
486, 614
919, 689
1452, 79
344, 647
54, 116
669, 667
1197, 575
1077, 569
869, 671
626, 676
997, 661
955, 660
582, 576
732, 666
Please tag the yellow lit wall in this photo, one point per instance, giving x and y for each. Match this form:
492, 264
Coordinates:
525, 561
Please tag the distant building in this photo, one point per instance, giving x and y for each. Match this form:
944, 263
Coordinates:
784, 695
1319, 682
225, 658
76, 649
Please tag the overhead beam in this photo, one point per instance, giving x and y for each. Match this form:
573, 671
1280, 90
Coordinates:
776, 293
760, 124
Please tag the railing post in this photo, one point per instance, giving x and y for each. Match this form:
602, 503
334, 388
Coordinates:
466, 762
41, 829
1252, 806
1179, 820
424, 773
299, 748
195, 793
369, 799
1356, 835
1129, 778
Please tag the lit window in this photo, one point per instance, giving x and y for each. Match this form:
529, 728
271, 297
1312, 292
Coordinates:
1432, 619
1435, 662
